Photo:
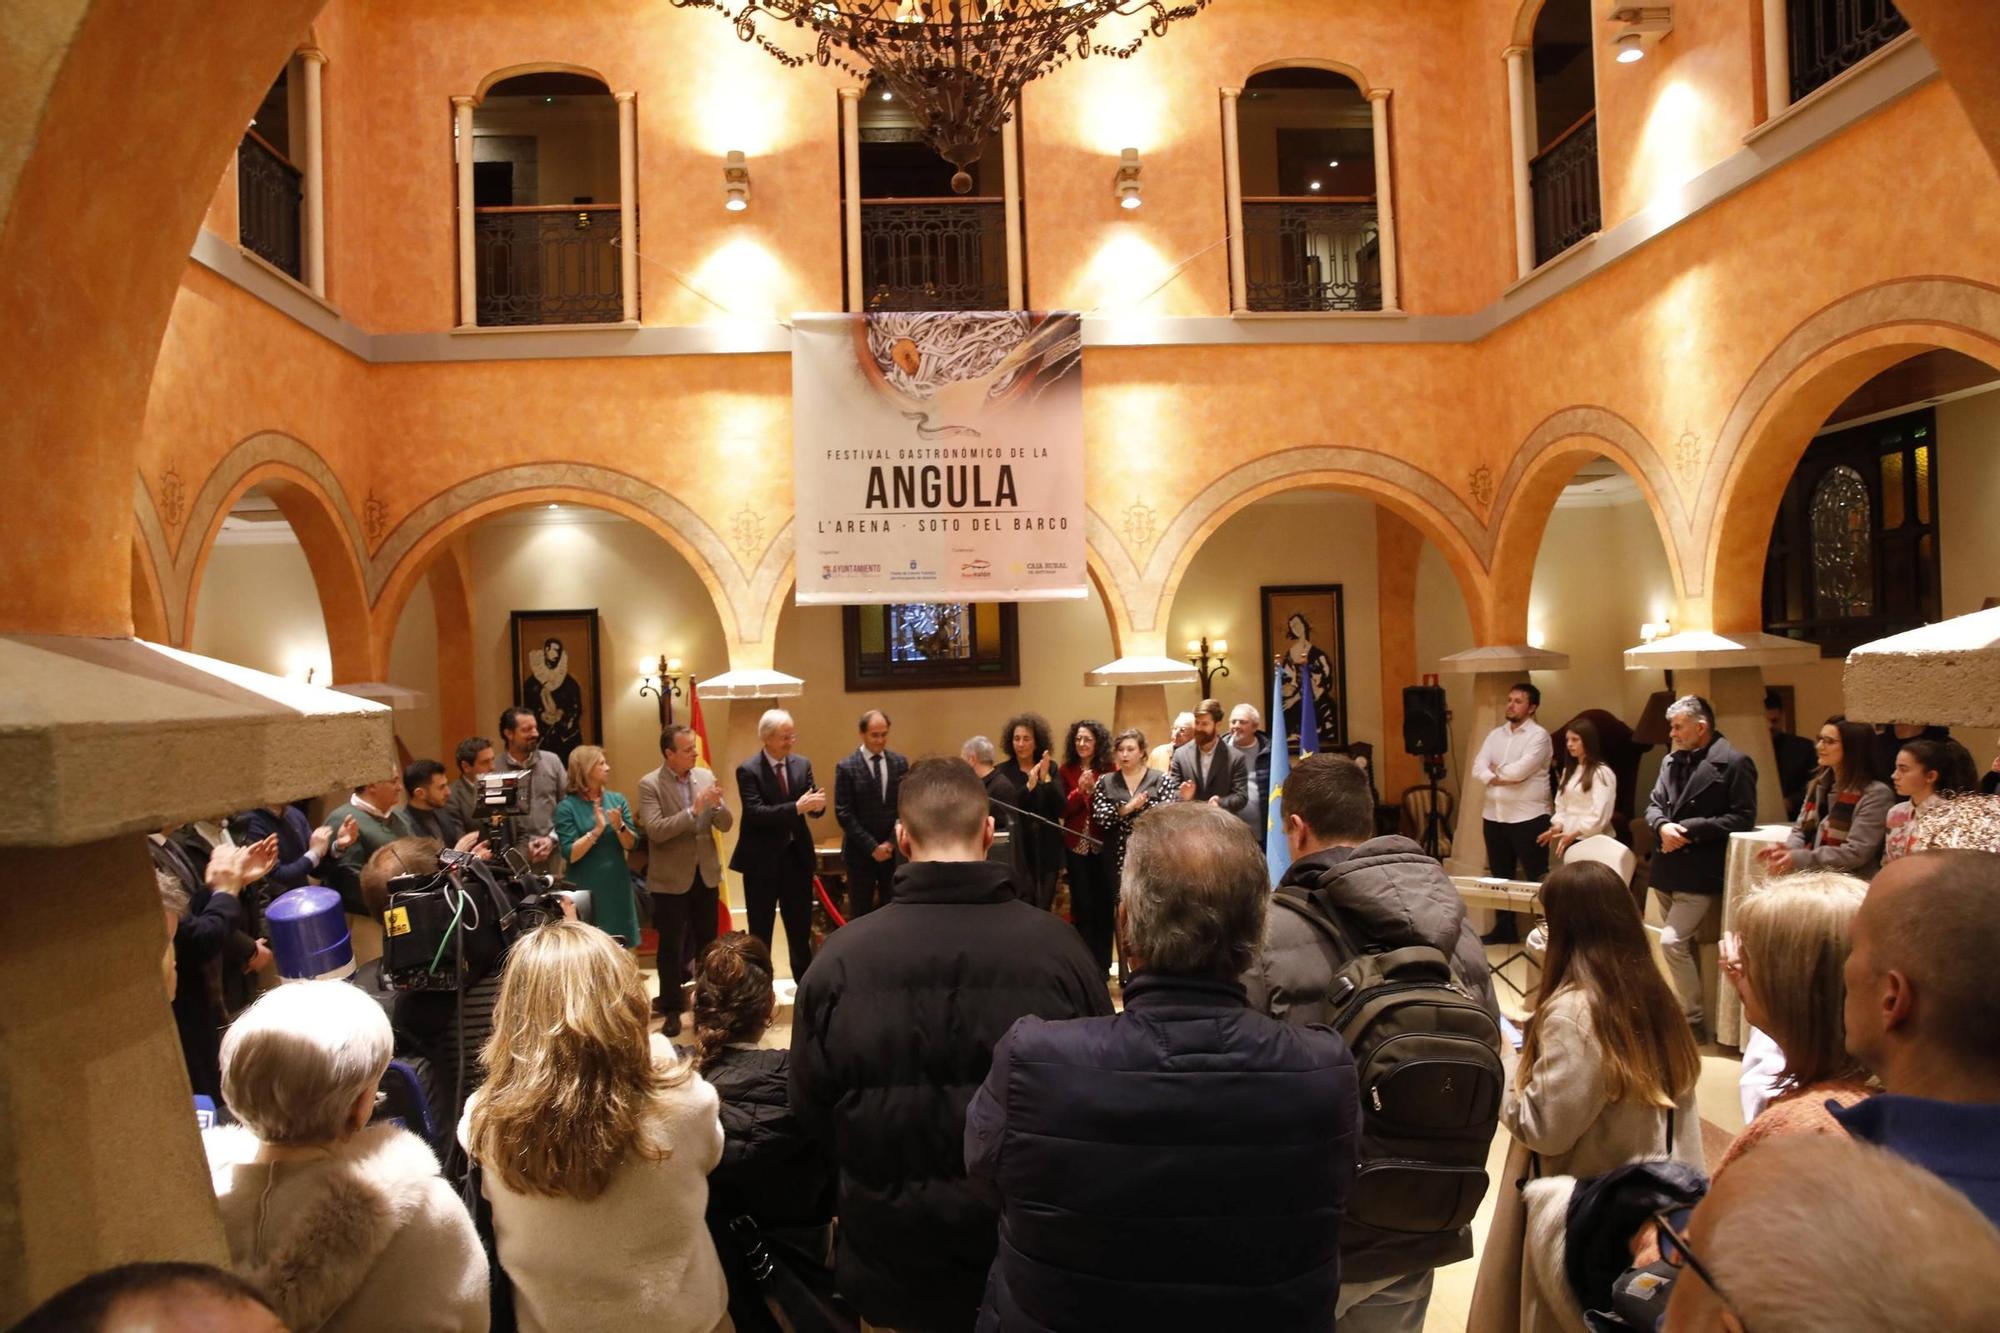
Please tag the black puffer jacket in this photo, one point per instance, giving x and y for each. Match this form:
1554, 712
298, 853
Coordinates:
771, 1168
892, 1032
1385, 894
1183, 1165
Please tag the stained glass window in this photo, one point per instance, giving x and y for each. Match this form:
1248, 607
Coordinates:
1892, 491
915, 645
1843, 545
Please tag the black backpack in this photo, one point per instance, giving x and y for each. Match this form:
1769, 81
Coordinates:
1427, 1058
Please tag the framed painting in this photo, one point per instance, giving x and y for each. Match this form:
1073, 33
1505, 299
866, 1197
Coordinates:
1305, 646
556, 677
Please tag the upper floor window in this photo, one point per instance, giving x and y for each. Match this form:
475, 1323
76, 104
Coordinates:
1854, 552
1562, 165
924, 247
1827, 37
1311, 225
270, 178
545, 197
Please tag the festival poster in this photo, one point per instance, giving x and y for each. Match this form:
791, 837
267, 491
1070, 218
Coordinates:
938, 456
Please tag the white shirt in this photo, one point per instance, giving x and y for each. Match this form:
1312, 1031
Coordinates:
1581, 813
1521, 755
880, 770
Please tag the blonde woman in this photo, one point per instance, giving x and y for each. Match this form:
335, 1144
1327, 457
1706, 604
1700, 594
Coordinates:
1786, 960
594, 829
595, 1140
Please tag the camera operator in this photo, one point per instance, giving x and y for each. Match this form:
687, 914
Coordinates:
545, 779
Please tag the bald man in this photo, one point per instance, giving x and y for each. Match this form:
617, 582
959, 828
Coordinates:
155, 1298
1813, 1234
1923, 1013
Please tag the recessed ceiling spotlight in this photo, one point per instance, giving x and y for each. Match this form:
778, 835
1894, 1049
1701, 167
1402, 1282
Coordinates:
1314, 185
1334, 163
1631, 48
888, 96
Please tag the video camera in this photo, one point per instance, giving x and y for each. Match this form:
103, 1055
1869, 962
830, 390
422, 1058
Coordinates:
445, 931
503, 798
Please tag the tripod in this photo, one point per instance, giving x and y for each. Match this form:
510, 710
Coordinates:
1433, 839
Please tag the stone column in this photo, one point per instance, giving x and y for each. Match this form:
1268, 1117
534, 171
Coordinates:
1490, 672
311, 62
850, 190
1385, 197
1232, 192
1010, 195
1141, 680
1521, 120
468, 280
628, 205
1777, 58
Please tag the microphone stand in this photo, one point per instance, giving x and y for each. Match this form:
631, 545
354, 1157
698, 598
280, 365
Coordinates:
1096, 844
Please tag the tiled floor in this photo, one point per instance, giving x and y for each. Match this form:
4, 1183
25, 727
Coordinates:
1451, 1297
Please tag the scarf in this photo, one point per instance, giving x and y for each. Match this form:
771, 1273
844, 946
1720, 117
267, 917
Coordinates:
1827, 814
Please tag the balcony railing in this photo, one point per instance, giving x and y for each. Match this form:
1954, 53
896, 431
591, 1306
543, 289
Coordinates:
548, 264
1563, 181
1829, 36
268, 193
934, 254
1311, 254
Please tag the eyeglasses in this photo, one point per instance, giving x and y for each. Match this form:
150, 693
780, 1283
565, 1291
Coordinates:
1675, 1251
1826, 740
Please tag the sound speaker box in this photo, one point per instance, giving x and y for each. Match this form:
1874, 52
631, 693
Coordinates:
1425, 728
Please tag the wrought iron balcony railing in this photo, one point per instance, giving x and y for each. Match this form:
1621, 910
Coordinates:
548, 264
1829, 36
1563, 182
934, 254
1311, 254
269, 191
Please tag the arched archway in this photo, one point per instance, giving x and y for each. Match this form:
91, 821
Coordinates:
1787, 400
149, 607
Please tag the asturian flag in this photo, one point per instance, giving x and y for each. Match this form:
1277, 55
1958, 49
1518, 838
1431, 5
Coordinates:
1278, 852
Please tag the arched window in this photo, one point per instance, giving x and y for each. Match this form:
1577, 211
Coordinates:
1310, 193
1552, 84
1808, 43
548, 153
918, 244
279, 208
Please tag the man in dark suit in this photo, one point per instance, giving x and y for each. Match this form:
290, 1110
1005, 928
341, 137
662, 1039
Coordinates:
865, 785
1207, 769
774, 853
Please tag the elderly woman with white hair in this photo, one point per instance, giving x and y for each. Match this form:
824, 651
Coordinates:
344, 1225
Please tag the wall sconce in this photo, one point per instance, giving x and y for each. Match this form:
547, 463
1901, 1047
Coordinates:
1654, 630
660, 677
1639, 27
1209, 660
735, 182
1125, 185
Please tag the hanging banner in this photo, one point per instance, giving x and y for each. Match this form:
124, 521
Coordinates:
938, 456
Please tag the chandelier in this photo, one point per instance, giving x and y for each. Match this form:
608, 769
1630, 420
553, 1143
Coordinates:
958, 65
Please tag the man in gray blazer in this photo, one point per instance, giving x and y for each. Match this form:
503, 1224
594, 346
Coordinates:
679, 807
1208, 768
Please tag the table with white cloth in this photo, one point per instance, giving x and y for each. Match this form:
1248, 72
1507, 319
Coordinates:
1741, 872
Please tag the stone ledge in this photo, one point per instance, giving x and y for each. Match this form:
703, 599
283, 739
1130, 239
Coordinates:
752, 684
1514, 658
1947, 673
1702, 650
1142, 671
113, 736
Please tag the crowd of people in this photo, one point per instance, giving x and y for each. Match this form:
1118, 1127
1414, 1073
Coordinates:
1284, 1123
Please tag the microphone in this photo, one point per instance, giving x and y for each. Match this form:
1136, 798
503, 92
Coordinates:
1096, 843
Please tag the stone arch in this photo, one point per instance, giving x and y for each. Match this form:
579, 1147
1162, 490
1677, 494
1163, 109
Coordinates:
535, 67
1787, 399
1146, 582
1524, 22
316, 517
1541, 467
746, 598
149, 607
1340, 67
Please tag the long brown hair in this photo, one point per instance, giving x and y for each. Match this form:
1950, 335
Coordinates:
733, 998
570, 1071
1593, 753
1597, 945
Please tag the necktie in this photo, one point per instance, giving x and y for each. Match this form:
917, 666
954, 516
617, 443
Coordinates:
784, 779
881, 778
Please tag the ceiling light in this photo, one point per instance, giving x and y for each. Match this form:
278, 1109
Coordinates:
1313, 185
1334, 163
554, 506
1630, 48
888, 96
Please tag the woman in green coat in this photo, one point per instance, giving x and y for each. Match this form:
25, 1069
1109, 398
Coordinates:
595, 829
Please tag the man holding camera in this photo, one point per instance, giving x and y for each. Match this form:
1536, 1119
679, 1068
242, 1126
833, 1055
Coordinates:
544, 778
680, 807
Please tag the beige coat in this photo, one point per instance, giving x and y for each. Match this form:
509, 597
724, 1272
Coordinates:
365, 1239
1563, 1124
678, 840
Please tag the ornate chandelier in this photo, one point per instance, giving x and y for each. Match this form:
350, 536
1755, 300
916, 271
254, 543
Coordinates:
957, 64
